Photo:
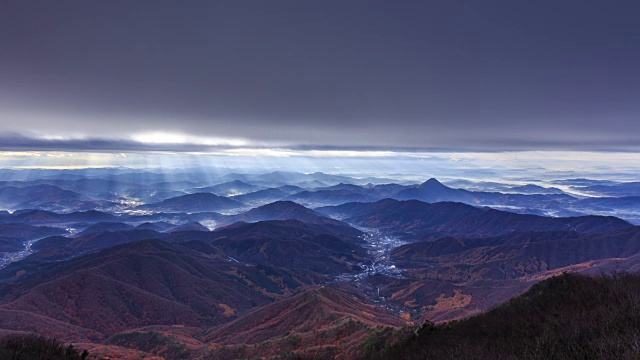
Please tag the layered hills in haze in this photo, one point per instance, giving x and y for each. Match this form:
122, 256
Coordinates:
285, 264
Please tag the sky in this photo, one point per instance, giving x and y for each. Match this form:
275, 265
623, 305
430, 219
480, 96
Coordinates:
321, 78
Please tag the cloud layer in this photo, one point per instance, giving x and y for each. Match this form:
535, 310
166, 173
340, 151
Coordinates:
415, 75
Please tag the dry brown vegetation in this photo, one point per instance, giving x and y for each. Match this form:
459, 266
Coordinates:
569, 316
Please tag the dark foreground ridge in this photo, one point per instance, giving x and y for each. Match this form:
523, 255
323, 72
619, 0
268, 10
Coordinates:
569, 316
37, 347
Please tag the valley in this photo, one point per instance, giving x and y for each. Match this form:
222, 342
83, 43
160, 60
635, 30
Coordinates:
9, 257
193, 272
379, 247
319, 180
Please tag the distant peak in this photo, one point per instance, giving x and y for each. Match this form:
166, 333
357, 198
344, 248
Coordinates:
200, 194
432, 182
237, 182
192, 226
282, 203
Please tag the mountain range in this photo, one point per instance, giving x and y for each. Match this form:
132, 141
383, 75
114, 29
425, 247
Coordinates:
135, 264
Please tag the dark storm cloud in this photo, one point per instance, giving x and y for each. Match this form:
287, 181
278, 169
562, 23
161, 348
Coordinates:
439, 75
20, 142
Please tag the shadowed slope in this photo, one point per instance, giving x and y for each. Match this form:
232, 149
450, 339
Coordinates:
290, 244
325, 322
513, 256
424, 220
197, 202
143, 283
289, 210
565, 317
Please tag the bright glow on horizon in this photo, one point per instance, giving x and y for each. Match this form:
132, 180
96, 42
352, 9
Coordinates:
507, 166
267, 152
176, 138
65, 167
